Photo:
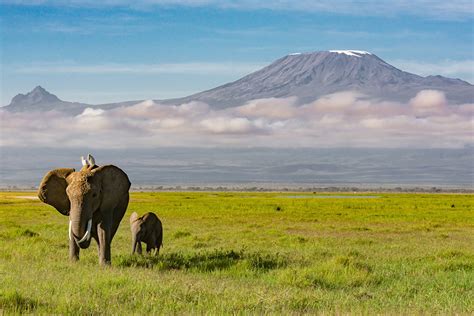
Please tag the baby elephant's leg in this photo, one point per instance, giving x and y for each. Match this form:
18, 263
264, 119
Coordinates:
153, 247
149, 248
139, 247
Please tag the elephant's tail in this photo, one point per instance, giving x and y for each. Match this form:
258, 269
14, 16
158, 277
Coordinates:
160, 240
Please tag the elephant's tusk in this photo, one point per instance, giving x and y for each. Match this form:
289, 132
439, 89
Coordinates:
70, 230
87, 235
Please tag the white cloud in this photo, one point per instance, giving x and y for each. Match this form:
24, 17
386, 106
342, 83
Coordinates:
429, 102
91, 112
228, 125
345, 119
273, 108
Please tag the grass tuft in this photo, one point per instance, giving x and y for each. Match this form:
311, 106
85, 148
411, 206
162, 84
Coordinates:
13, 301
181, 234
265, 262
19, 232
202, 261
27, 233
459, 266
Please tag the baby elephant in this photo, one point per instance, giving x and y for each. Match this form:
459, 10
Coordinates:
147, 229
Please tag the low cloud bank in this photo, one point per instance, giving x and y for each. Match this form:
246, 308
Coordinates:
345, 119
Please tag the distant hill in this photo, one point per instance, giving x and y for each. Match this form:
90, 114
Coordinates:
40, 100
307, 76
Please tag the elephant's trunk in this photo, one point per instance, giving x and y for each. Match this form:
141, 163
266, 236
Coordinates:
75, 232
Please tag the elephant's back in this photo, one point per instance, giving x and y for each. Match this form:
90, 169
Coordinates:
153, 219
117, 177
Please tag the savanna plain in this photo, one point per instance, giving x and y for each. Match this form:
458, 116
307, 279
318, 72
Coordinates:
246, 253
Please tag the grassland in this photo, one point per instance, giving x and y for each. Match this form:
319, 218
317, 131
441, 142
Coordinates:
245, 253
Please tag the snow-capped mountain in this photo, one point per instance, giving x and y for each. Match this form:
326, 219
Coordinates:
307, 76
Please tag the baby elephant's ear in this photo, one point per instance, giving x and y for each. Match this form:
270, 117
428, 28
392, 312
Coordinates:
133, 217
52, 189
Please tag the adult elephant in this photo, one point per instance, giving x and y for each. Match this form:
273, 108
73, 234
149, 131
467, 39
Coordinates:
95, 199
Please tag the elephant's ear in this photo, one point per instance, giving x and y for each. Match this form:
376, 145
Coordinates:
52, 189
114, 181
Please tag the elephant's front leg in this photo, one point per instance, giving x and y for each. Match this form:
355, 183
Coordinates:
73, 250
135, 244
103, 233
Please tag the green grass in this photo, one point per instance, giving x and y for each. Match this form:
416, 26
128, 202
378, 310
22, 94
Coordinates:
246, 253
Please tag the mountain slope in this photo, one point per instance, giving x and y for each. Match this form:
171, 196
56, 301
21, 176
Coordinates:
312, 75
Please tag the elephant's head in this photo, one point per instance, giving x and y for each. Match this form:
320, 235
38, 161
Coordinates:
79, 195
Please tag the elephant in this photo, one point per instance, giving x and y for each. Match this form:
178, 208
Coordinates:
95, 199
147, 229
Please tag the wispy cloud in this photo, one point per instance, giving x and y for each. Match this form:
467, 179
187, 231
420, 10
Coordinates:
438, 9
345, 119
207, 68
108, 26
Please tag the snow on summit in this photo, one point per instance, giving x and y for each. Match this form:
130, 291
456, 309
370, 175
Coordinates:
355, 53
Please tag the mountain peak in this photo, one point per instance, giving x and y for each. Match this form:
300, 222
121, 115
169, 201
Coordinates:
40, 100
38, 95
39, 89
348, 52
351, 52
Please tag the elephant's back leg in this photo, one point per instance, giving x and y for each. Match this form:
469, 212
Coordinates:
119, 212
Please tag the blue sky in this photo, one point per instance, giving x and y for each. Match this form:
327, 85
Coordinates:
156, 49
